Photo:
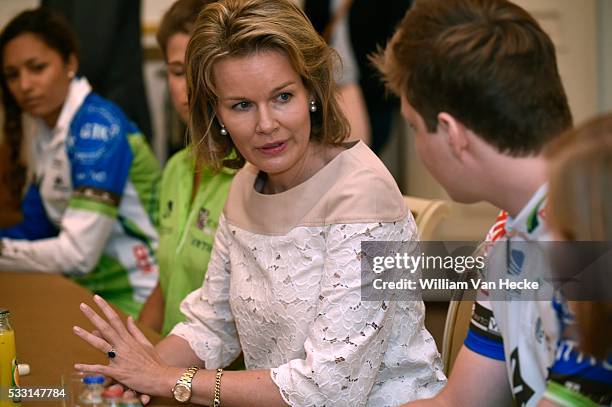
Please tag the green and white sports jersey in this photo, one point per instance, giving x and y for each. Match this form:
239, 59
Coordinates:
187, 229
531, 337
96, 181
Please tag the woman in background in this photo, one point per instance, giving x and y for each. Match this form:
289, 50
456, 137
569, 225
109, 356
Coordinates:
191, 195
89, 201
284, 282
580, 210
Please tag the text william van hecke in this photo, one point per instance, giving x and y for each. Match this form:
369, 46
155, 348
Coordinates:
446, 284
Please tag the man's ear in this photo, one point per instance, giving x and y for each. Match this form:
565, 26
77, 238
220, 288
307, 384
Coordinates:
73, 63
455, 134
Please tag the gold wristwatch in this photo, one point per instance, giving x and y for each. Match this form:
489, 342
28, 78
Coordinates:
182, 389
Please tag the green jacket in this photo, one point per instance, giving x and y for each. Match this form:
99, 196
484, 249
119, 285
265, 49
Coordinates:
186, 229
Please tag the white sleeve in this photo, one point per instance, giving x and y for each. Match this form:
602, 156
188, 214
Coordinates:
210, 329
348, 339
77, 248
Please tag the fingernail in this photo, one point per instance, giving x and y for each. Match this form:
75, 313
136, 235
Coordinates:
97, 297
76, 329
83, 305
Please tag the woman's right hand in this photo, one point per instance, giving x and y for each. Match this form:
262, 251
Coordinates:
136, 364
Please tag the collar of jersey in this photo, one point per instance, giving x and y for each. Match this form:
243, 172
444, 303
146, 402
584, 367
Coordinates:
78, 90
519, 224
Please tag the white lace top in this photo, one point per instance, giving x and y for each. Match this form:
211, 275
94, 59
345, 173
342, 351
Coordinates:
284, 286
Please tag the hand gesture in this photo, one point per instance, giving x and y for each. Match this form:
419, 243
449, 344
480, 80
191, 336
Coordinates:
133, 360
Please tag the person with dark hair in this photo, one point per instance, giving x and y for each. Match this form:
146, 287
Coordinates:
479, 84
368, 27
283, 284
90, 199
110, 52
191, 195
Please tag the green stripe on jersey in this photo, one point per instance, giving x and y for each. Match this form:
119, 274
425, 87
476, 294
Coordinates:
110, 280
93, 206
145, 174
565, 397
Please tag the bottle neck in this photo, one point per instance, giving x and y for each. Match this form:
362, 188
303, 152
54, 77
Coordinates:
5, 324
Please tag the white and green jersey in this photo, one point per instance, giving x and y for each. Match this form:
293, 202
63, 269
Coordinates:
531, 337
94, 190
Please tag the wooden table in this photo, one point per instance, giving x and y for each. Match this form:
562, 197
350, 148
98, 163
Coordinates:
44, 308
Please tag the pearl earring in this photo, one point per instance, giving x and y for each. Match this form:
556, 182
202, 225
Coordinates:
313, 106
70, 74
223, 131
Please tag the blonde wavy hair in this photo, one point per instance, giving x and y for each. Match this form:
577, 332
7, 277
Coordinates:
237, 28
580, 209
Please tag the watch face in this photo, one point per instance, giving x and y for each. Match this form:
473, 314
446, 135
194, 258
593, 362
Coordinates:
182, 393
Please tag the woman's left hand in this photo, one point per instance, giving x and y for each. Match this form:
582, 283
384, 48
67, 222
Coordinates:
135, 363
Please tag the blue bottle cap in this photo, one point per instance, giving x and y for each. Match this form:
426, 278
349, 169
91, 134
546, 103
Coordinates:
97, 379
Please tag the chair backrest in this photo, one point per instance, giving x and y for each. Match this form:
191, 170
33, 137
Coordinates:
428, 214
455, 331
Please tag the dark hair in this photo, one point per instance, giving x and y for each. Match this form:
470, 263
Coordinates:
180, 18
486, 62
242, 27
54, 31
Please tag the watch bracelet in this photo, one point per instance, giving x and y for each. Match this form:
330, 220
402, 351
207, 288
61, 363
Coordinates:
217, 398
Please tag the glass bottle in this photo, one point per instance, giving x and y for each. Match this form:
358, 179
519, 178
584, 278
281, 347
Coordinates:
92, 394
9, 372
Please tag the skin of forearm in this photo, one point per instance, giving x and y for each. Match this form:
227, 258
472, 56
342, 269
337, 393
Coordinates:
441, 400
152, 314
175, 351
238, 388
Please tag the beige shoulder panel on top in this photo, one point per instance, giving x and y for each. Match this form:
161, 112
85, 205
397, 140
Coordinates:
354, 187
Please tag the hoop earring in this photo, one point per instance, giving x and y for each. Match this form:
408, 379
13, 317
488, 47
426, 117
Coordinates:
223, 131
313, 106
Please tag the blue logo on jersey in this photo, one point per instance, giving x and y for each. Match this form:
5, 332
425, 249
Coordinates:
517, 258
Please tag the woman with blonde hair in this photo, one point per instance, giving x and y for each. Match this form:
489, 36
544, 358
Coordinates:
284, 283
580, 210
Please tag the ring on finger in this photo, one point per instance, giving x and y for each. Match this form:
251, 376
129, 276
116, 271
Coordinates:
112, 353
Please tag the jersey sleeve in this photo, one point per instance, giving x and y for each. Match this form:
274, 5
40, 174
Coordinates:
576, 378
100, 159
483, 335
579, 379
35, 223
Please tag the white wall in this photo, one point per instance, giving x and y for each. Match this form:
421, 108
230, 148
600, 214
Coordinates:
604, 14
10, 8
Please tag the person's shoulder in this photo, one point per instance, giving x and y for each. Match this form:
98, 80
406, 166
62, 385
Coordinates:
95, 107
363, 189
366, 176
99, 121
244, 178
537, 224
362, 161
180, 159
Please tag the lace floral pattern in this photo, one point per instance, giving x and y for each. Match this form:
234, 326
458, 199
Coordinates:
295, 301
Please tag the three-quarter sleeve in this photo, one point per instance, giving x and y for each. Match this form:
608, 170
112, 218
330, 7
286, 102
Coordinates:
348, 339
210, 329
